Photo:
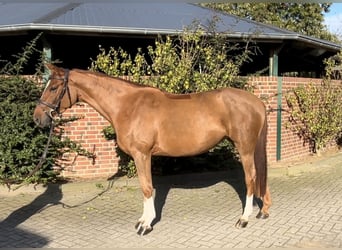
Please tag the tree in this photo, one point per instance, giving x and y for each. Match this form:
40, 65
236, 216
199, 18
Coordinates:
304, 18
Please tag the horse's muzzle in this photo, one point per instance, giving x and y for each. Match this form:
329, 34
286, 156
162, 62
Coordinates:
42, 120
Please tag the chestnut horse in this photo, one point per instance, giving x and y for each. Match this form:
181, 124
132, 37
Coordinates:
151, 122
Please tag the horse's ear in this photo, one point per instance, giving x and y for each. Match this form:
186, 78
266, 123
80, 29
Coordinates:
50, 67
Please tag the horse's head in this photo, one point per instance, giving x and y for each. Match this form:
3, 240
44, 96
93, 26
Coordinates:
56, 97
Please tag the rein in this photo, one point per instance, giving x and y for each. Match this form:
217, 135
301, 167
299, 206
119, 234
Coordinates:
54, 108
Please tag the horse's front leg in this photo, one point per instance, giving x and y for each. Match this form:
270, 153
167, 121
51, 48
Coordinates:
143, 164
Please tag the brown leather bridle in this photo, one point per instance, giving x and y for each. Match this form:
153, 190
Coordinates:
55, 107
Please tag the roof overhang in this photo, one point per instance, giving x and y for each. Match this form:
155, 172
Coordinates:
107, 30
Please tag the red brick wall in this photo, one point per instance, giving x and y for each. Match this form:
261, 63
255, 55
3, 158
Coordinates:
88, 132
291, 145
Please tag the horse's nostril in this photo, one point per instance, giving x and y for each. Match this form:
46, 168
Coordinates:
36, 120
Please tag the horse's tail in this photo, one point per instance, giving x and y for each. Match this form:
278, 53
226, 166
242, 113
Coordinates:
260, 160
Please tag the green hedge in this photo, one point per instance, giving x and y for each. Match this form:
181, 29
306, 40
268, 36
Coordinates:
21, 142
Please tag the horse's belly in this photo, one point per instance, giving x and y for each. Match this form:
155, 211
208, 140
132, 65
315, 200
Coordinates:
187, 144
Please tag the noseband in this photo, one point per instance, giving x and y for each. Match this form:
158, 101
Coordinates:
56, 107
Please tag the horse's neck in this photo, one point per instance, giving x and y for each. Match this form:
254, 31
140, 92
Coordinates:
103, 94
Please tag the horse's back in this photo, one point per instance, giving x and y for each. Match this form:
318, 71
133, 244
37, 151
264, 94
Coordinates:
193, 123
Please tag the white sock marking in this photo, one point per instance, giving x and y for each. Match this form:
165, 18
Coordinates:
149, 212
248, 207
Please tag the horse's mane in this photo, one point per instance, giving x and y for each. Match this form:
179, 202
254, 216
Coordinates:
100, 74
134, 84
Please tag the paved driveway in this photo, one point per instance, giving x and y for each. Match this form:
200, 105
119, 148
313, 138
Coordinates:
197, 210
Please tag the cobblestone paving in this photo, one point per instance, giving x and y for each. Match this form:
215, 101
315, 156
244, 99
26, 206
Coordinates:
197, 210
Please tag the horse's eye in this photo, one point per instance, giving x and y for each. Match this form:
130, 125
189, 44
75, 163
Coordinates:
53, 89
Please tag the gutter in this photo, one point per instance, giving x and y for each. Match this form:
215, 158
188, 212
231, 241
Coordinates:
85, 29
153, 31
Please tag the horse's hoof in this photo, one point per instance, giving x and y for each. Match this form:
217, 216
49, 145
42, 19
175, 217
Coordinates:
262, 215
143, 230
241, 223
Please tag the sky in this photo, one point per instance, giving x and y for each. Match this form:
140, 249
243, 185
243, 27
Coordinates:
333, 19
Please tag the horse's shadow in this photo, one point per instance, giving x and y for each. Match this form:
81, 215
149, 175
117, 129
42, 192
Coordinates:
12, 236
234, 177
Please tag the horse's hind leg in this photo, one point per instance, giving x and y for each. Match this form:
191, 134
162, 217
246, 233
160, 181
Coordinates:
143, 164
247, 160
266, 203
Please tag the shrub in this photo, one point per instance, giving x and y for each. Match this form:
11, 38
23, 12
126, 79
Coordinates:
316, 110
21, 141
192, 62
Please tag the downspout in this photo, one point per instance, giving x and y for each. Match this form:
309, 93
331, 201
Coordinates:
273, 71
279, 118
